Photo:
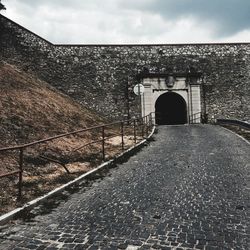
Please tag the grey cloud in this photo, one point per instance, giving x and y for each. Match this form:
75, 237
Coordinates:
132, 20
39, 3
66, 4
229, 16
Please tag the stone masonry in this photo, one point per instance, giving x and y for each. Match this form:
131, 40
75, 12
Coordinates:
102, 76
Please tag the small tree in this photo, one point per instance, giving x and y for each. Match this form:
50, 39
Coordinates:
2, 7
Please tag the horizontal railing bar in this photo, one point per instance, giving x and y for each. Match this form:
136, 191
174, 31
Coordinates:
195, 114
193, 118
62, 135
135, 124
87, 144
10, 173
93, 142
47, 139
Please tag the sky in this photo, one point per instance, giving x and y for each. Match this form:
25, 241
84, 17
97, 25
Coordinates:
133, 21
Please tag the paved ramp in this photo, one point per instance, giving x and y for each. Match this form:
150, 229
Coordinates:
188, 189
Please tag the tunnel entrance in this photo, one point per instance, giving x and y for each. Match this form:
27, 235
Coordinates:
170, 109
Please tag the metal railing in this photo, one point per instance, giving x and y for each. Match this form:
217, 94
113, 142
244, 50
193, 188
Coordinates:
138, 128
239, 123
195, 118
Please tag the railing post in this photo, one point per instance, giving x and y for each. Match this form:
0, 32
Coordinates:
103, 143
142, 127
134, 125
151, 121
146, 122
20, 177
122, 134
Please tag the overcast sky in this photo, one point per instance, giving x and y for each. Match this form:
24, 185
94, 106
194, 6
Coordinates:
133, 21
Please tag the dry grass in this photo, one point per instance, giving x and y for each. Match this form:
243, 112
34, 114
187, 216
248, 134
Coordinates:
30, 110
41, 176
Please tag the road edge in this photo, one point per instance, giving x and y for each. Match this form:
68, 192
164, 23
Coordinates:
31, 204
244, 139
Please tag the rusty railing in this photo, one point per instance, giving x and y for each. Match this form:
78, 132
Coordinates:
139, 128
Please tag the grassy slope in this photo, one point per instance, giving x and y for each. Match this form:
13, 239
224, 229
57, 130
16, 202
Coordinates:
30, 109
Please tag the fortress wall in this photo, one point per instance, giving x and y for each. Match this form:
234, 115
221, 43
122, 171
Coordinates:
102, 76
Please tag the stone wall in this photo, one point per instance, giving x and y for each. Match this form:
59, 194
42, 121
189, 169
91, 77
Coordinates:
102, 76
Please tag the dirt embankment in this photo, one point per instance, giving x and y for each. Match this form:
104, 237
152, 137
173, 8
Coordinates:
30, 109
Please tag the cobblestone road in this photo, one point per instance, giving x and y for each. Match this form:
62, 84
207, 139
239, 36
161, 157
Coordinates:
188, 189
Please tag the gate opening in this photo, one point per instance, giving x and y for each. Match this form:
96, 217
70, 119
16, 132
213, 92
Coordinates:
170, 109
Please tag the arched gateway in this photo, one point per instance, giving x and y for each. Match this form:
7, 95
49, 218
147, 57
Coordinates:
170, 109
174, 99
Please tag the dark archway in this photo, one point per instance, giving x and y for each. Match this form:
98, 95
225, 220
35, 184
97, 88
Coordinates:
170, 109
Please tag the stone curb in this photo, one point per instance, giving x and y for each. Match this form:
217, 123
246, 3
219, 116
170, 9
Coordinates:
31, 204
244, 139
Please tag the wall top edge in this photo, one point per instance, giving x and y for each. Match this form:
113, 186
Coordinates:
27, 30
148, 44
